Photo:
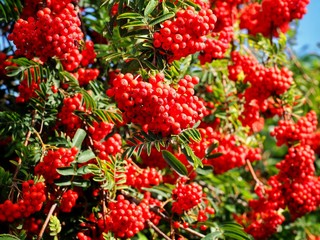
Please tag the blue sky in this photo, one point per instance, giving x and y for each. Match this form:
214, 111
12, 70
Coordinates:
308, 35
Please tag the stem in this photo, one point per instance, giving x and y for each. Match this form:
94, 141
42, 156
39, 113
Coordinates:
189, 230
158, 230
253, 174
44, 226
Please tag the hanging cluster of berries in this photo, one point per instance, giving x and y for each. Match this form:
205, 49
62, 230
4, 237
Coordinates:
295, 186
142, 178
53, 31
111, 146
186, 196
271, 16
186, 34
155, 105
227, 155
33, 196
289, 132
68, 200
125, 219
54, 159
219, 41
263, 83
67, 117
99, 130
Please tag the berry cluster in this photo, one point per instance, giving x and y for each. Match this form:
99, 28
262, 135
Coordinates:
295, 187
142, 178
303, 196
99, 130
54, 31
288, 132
55, 159
155, 105
32, 226
68, 200
186, 196
232, 153
186, 34
125, 219
111, 146
86, 75
219, 42
88, 54
33, 196
271, 16
26, 90
263, 83
67, 117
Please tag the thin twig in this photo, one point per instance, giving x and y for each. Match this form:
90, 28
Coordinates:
189, 230
44, 226
253, 174
157, 230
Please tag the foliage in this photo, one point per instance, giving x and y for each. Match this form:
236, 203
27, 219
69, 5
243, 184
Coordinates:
248, 169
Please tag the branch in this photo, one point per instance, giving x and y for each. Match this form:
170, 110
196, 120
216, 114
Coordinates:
189, 230
253, 174
158, 230
44, 226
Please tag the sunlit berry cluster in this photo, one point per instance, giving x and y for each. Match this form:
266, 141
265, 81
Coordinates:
33, 196
186, 34
99, 130
67, 117
142, 178
289, 132
55, 159
124, 219
54, 31
186, 196
294, 187
263, 82
86, 75
111, 146
271, 16
156, 105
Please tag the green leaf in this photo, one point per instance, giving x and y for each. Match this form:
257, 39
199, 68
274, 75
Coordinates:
84, 170
8, 237
152, 4
78, 138
191, 157
174, 163
234, 230
81, 183
136, 23
213, 146
130, 15
213, 236
162, 18
67, 171
192, 133
111, 56
63, 183
214, 155
55, 226
85, 156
